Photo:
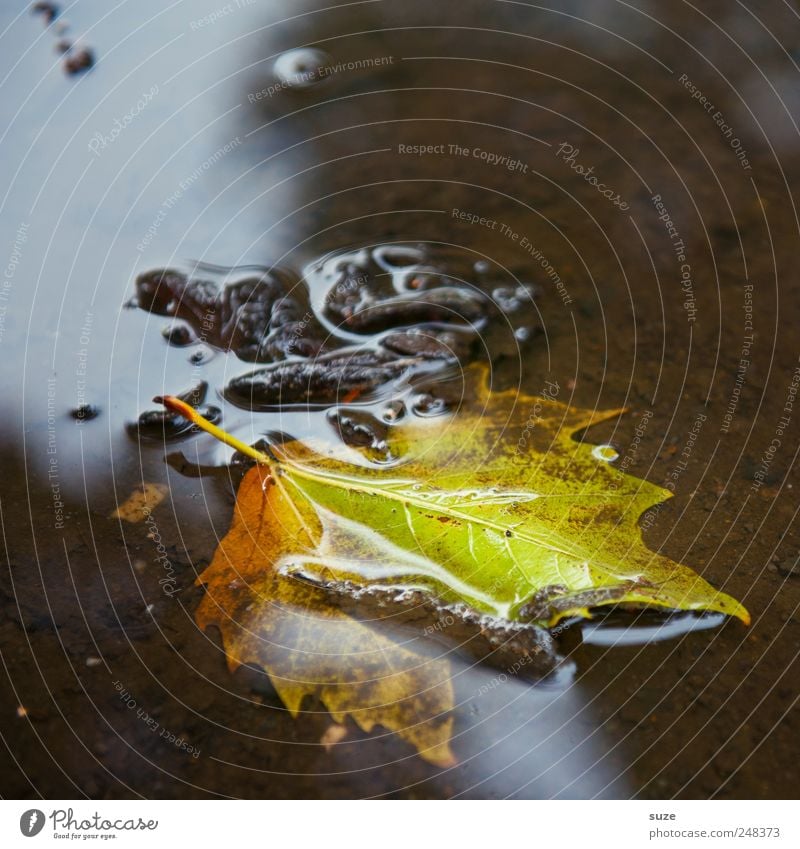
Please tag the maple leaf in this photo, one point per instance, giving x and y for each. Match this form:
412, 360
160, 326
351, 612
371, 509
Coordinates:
308, 646
496, 507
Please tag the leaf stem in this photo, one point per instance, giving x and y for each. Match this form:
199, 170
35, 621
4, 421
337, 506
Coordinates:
190, 414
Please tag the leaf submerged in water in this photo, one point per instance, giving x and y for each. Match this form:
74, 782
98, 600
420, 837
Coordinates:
497, 508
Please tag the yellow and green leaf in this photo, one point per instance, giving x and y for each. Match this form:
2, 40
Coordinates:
497, 507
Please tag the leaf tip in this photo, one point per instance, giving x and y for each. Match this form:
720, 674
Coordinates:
175, 405
731, 607
441, 756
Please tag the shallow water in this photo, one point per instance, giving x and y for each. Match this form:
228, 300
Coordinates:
643, 299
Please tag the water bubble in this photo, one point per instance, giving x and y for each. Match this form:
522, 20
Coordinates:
397, 256
482, 266
522, 334
428, 405
506, 298
607, 453
510, 299
394, 411
85, 412
201, 356
301, 68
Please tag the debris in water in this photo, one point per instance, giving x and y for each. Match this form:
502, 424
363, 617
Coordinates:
85, 413
334, 734
78, 60
256, 317
140, 504
342, 377
430, 343
179, 335
163, 425
48, 11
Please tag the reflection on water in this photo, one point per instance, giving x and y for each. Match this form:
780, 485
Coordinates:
515, 740
647, 629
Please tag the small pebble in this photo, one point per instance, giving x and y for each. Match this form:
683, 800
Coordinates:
84, 413
179, 335
789, 567
49, 11
333, 734
79, 60
428, 405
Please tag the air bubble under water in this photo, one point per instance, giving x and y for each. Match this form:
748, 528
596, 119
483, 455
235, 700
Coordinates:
606, 453
301, 68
